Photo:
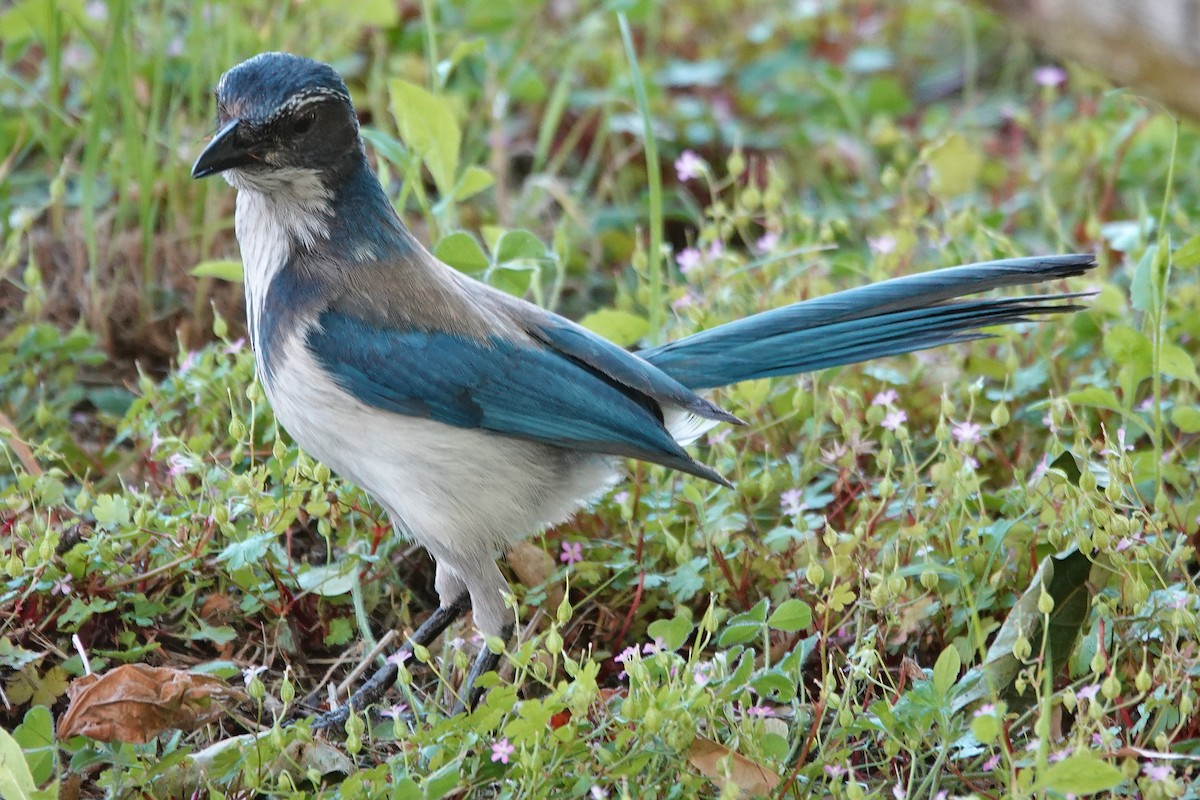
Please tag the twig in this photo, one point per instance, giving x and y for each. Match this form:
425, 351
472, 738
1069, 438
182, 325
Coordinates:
22, 451
345, 686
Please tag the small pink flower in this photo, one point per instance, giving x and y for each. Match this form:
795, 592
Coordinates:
62, 586
967, 432
1048, 421
1050, 75
399, 657
396, 711
991, 763
657, 646
719, 435
501, 750
985, 710
1087, 692
715, 251
1158, 772
1060, 755
886, 398
689, 165
685, 300
620, 497
1040, 470
792, 503
235, 346
457, 643
626, 654
155, 441
762, 712
178, 465
188, 362
572, 553
702, 673
881, 245
894, 419
689, 259
834, 770
898, 791
598, 793
767, 242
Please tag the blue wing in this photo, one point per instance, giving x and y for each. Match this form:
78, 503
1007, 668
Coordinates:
528, 390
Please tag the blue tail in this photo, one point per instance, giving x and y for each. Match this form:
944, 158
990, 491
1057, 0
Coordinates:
887, 318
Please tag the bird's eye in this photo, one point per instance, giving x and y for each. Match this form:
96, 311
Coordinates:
303, 123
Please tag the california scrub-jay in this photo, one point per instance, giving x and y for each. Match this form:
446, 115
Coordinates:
473, 417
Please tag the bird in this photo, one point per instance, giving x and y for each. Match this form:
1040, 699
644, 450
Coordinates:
476, 418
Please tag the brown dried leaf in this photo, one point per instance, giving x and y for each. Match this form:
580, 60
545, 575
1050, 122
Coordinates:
752, 778
534, 566
134, 703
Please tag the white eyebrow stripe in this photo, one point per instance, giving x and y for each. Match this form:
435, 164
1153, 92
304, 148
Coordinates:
307, 98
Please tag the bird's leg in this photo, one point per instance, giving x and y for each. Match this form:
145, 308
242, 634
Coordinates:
485, 662
377, 685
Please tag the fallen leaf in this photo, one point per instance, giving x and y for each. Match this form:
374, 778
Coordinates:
134, 703
534, 566
752, 778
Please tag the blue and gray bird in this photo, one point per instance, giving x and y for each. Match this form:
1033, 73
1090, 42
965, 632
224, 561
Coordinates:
475, 418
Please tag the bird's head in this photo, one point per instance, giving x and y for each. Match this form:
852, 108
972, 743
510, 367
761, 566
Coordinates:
283, 123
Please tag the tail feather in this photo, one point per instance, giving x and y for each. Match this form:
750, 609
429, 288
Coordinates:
887, 318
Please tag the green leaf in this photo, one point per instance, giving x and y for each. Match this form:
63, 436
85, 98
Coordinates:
248, 551
111, 512
461, 251
1123, 345
1069, 581
473, 181
1178, 364
1095, 397
224, 269
673, 632
1188, 254
791, 616
217, 634
427, 126
945, 671
1141, 288
16, 781
954, 166
620, 327
743, 627
1069, 466
519, 245
1081, 773
14, 657
35, 734
514, 281
739, 633
775, 686
443, 781
1186, 418
330, 580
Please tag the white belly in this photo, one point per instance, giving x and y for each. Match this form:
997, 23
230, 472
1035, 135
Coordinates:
452, 489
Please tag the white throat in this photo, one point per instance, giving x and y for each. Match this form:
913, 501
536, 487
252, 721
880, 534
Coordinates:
277, 211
